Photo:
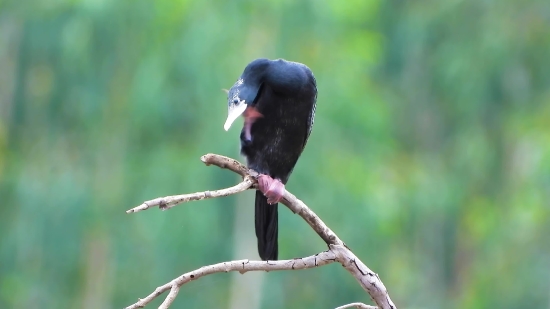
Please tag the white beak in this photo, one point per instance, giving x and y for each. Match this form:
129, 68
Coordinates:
233, 112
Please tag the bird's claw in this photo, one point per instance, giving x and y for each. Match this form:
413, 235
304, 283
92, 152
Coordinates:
273, 189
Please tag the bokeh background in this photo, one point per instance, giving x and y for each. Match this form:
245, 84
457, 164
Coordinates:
430, 154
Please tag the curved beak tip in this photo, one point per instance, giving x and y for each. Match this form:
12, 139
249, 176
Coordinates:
234, 111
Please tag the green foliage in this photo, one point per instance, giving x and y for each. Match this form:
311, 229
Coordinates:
430, 154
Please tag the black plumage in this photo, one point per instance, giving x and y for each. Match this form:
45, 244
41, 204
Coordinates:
277, 99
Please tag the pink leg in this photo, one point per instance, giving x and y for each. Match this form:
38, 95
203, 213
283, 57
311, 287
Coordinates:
273, 189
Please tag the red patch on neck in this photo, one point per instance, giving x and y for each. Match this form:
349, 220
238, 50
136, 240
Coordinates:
250, 115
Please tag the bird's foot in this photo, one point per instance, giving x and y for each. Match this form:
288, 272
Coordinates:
273, 189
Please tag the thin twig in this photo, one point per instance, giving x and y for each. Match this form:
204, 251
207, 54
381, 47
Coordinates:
168, 202
174, 290
226, 162
356, 305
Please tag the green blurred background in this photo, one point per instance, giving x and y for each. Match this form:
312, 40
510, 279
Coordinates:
430, 155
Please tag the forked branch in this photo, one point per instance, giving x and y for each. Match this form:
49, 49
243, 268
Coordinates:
337, 251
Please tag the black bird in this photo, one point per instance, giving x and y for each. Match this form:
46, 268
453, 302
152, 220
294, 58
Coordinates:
277, 99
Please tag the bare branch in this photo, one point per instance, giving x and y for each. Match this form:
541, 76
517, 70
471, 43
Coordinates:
289, 200
241, 266
226, 162
174, 290
356, 305
168, 202
369, 280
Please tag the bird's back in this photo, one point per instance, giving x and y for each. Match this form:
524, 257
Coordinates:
279, 137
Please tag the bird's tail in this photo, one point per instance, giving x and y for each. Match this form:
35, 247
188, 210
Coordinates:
267, 227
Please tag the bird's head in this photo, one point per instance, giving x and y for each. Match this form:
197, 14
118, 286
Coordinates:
245, 92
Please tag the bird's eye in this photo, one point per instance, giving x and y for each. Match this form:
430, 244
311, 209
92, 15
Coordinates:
235, 101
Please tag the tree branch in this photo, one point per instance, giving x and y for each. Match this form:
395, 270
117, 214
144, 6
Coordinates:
168, 202
338, 251
242, 266
356, 305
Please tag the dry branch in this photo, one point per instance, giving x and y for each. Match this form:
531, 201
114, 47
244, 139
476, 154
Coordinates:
241, 266
168, 202
356, 305
338, 251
